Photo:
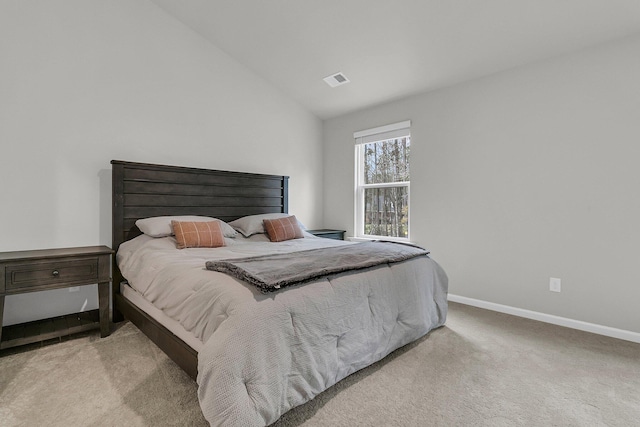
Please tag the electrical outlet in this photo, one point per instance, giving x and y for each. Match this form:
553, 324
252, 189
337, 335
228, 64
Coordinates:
74, 289
554, 284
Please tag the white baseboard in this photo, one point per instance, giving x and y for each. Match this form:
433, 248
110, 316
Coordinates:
549, 318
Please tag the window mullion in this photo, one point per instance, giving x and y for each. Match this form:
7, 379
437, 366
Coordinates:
386, 184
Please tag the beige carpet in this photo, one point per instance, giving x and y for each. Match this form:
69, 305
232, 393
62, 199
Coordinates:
481, 369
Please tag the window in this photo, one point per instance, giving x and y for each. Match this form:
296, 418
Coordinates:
382, 181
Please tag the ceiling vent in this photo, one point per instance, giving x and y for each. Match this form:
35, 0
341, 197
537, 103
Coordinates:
336, 79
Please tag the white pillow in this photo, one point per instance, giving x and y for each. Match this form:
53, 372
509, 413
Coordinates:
252, 224
160, 226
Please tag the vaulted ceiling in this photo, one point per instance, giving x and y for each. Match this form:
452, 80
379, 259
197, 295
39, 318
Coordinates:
393, 48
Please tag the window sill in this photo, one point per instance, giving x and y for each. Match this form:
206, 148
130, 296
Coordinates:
371, 239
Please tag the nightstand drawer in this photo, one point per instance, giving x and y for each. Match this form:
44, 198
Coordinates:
51, 274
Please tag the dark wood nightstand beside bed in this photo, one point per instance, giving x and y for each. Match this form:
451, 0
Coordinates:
328, 233
40, 270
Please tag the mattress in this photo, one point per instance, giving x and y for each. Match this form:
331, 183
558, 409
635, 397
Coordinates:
263, 354
158, 315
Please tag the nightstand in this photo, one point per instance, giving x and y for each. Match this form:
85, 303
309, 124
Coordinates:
328, 233
40, 270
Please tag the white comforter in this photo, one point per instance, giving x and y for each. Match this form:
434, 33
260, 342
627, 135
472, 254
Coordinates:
265, 354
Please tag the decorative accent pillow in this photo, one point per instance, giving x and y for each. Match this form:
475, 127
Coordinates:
197, 234
252, 224
160, 226
282, 229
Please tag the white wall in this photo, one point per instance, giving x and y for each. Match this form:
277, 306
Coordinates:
83, 82
522, 176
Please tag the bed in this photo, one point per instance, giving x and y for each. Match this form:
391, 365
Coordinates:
255, 355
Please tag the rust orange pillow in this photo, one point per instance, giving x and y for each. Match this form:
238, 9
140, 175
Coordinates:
194, 234
281, 229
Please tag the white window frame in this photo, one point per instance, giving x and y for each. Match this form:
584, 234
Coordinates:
381, 133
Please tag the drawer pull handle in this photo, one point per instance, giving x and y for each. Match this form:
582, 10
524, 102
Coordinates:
55, 273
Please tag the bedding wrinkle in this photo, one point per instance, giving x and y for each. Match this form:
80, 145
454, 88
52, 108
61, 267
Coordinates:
293, 325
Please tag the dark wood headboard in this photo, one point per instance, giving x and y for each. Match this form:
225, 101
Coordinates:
142, 190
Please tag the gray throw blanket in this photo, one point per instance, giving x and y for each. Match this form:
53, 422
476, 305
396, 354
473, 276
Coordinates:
272, 272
